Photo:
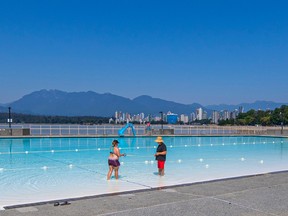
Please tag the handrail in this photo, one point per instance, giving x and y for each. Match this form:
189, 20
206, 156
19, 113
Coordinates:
112, 129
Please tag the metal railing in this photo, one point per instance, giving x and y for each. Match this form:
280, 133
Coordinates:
112, 130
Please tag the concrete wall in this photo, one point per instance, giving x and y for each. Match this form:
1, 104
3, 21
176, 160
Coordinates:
15, 132
277, 131
165, 132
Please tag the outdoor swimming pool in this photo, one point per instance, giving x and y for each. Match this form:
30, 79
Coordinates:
42, 169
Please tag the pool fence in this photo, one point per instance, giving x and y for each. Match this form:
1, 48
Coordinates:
141, 130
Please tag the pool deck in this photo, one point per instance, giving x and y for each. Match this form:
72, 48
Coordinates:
258, 195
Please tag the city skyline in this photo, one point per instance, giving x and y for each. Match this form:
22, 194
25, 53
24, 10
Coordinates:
198, 115
203, 52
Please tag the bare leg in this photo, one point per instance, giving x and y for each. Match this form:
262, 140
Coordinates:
109, 172
116, 172
161, 172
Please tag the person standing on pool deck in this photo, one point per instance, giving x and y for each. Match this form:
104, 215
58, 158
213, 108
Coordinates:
113, 160
161, 155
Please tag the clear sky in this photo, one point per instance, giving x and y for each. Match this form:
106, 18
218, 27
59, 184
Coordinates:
209, 52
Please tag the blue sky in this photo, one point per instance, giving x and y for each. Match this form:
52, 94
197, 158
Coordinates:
209, 52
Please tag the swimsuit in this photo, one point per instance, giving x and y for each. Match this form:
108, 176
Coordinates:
112, 161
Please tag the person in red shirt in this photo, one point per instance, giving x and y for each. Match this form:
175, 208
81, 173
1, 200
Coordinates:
161, 155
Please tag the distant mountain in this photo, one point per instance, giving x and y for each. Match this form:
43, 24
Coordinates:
3, 109
154, 105
257, 105
55, 102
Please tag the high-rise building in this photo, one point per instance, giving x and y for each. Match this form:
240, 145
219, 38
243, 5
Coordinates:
184, 118
192, 116
234, 114
199, 113
215, 117
226, 115
241, 109
204, 115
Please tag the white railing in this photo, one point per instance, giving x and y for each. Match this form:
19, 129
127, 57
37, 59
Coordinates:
112, 130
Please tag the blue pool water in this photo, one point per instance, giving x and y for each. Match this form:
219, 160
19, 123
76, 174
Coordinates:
43, 169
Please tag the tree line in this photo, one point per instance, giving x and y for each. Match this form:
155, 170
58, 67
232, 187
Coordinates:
279, 116
43, 119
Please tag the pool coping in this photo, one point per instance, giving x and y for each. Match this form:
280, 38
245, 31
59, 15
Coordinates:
137, 136
137, 191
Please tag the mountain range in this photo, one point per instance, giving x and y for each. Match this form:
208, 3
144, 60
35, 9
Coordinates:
56, 102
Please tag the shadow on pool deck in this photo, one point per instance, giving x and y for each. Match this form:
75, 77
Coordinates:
259, 195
